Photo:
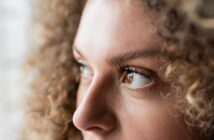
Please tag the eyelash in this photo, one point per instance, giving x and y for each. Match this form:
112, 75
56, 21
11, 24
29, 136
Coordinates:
79, 65
128, 69
149, 74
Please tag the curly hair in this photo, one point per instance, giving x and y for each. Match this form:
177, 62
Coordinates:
187, 27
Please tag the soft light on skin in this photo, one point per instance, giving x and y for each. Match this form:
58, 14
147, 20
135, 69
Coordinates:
107, 108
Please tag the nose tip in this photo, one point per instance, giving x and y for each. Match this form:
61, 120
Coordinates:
87, 121
79, 121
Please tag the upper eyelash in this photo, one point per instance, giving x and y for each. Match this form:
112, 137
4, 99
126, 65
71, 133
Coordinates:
78, 64
129, 69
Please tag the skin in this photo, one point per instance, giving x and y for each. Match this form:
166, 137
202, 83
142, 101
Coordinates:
123, 104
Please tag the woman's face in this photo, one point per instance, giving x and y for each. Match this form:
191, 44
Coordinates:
121, 82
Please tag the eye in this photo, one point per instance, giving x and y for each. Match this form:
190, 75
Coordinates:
85, 70
135, 79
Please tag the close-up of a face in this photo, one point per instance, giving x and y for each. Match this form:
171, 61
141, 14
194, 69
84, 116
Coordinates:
118, 70
121, 76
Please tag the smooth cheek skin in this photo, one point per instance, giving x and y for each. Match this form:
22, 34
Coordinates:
106, 110
150, 120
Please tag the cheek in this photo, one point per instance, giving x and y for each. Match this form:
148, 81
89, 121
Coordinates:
152, 120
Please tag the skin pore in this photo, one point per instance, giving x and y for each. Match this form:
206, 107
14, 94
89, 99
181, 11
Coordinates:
118, 98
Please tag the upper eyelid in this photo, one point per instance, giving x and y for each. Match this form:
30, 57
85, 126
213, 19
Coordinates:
78, 58
77, 52
137, 69
80, 63
76, 55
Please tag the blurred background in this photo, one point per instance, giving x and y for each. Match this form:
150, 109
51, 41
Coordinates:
14, 19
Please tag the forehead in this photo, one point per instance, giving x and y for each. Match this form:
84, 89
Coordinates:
121, 25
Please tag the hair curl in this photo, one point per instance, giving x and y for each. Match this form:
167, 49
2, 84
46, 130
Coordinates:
187, 27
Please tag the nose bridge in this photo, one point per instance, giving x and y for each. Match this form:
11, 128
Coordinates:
97, 93
94, 109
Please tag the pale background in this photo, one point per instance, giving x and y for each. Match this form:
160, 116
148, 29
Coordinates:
14, 19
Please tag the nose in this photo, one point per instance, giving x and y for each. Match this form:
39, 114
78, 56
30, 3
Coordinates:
94, 110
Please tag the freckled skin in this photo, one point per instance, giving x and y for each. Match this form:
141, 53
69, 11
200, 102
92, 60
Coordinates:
107, 109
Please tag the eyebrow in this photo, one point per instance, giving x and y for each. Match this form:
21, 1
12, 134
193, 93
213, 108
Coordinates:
121, 58
142, 53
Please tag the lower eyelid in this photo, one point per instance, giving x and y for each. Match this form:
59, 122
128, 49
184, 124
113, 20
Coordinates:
142, 92
145, 86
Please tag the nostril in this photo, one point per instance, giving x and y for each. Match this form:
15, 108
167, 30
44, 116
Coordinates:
83, 122
94, 128
89, 122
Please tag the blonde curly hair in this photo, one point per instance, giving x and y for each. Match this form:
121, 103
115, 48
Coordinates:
187, 27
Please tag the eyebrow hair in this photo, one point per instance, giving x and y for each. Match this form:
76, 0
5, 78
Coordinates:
142, 53
121, 58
